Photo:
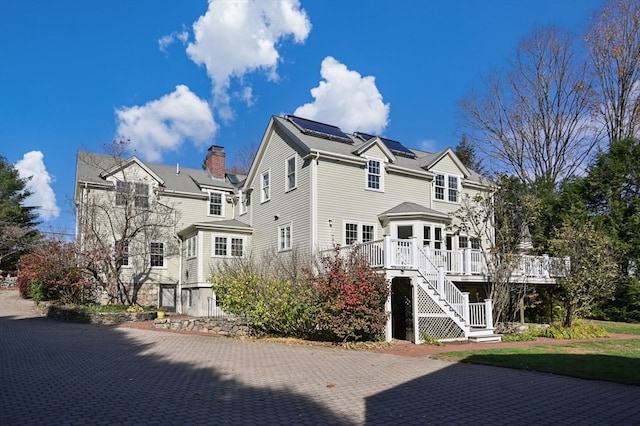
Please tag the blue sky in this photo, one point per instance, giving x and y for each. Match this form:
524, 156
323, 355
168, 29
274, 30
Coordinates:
177, 77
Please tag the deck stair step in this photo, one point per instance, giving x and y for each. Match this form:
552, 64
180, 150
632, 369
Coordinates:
487, 338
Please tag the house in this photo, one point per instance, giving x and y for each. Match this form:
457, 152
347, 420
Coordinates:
311, 187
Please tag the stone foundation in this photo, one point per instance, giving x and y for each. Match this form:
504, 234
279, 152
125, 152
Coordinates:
222, 326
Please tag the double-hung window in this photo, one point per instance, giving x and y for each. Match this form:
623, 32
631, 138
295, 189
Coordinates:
156, 254
446, 188
290, 173
374, 174
355, 232
284, 237
228, 246
137, 191
216, 204
467, 242
265, 186
192, 246
245, 201
432, 237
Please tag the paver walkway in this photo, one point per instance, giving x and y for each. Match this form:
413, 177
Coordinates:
57, 373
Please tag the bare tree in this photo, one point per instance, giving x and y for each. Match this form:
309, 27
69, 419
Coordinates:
498, 221
533, 119
243, 158
614, 45
125, 225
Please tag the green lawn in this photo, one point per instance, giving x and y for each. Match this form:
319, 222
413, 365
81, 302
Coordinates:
618, 327
610, 360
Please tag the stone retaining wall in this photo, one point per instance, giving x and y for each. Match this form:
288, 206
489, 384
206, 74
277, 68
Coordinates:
231, 327
102, 318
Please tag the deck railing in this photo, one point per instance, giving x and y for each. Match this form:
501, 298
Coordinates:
435, 265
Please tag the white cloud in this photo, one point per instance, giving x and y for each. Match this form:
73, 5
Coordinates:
165, 41
234, 38
166, 123
32, 167
346, 99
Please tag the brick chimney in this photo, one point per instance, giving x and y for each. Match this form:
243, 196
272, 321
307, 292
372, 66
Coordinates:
215, 162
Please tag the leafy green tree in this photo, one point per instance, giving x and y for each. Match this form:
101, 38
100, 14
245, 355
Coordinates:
18, 234
593, 273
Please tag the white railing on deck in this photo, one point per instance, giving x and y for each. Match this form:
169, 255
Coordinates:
433, 265
477, 315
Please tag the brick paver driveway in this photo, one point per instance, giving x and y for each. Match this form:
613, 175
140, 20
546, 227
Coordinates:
56, 373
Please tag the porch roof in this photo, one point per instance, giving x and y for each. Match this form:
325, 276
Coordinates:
231, 225
411, 210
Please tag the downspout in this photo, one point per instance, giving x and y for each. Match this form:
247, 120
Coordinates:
314, 204
179, 295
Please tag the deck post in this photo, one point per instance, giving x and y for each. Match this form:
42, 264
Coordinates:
467, 261
546, 266
465, 307
386, 247
488, 312
415, 258
441, 282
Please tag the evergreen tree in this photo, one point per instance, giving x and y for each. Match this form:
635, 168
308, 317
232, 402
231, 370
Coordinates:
17, 221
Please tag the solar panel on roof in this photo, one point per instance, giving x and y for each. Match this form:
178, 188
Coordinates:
395, 146
310, 126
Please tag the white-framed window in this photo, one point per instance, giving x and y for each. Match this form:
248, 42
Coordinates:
228, 246
216, 203
245, 201
374, 174
284, 237
156, 254
136, 191
356, 232
453, 189
265, 186
432, 236
446, 188
290, 172
465, 241
192, 246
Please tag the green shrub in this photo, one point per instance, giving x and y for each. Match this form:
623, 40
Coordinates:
272, 296
524, 336
578, 330
427, 339
38, 291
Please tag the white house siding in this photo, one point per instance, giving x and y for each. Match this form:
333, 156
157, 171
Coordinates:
283, 207
343, 196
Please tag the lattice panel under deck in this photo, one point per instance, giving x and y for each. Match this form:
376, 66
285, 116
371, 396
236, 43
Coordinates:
426, 305
432, 320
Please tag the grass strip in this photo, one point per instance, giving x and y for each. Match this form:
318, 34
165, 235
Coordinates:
612, 360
